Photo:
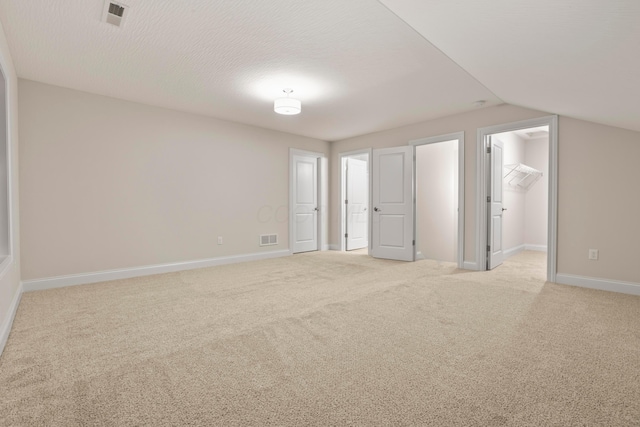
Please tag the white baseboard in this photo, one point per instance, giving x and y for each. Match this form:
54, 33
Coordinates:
468, 265
125, 273
419, 255
539, 248
325, 248
512, 251
596, 283
334, 247
7, 322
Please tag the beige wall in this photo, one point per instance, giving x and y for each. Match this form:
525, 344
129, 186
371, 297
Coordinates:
599, 201
468, 122
109, 184
10, 277
537, 198
514, 198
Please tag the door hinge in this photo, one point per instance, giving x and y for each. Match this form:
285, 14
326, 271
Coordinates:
346, 235
346, 202
488, 248
488, 150
414, 243
488, 199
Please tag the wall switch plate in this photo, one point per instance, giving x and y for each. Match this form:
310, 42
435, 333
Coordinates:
219, 240
593, 254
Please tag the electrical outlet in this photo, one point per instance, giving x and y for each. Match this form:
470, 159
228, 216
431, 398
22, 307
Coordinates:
593, 254
219, 240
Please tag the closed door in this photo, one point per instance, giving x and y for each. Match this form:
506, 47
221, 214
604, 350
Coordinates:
495, 203
357, 198
305, 204
393, 204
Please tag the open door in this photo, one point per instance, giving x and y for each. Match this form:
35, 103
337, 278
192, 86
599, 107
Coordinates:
357, 200
392, 220
495, 151
305, 204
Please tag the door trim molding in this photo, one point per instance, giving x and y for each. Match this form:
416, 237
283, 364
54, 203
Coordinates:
443, 138
323, 194
342, 157
481, 189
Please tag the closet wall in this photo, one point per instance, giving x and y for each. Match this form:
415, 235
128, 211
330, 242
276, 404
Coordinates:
525, 220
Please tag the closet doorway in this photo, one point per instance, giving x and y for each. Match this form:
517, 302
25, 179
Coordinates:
517, 192
439, 189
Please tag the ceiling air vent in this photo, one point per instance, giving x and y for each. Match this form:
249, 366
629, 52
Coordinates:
114, 13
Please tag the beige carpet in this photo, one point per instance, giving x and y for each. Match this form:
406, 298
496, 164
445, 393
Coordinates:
327, 339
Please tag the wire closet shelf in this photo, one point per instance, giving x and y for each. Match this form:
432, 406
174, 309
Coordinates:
521, 176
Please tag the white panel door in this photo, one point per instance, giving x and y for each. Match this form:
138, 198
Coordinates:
357, 201
392, 218
305, 204
494, 210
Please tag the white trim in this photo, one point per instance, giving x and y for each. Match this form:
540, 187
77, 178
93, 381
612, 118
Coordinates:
459, 136
539, 248
325, 248
512, 251
343, 191
469, 265
481, 189
5, 265
7, 322
597, 283
334, 247
9, 113
126, 273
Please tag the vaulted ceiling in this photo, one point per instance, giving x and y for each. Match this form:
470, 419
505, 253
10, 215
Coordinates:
358, 66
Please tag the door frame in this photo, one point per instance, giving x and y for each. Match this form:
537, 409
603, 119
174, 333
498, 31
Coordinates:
444, 138
343, 194
481, 189
323, 193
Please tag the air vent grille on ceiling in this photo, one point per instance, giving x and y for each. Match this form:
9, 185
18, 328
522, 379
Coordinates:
114, 9
114, 13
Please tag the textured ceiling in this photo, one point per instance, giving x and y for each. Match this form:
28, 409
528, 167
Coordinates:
579, 58
355, 65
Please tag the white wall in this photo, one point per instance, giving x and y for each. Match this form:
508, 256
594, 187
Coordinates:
10, 273
525, 220
537, 199
513, 224
110, 184
437, 200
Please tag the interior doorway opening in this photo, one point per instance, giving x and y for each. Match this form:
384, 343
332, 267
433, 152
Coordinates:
439, 185
355, 196
517, 192
525, 187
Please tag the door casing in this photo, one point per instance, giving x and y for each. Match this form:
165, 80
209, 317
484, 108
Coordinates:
481, 190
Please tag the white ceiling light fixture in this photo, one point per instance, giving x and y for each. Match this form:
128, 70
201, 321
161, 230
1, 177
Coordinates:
288, 106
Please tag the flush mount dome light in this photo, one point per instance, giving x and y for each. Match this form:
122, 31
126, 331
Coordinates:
288, 105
